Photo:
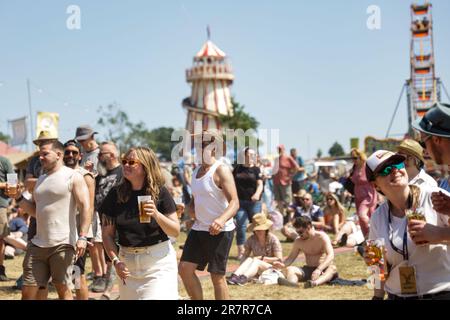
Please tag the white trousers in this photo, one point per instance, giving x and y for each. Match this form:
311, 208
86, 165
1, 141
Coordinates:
153, 273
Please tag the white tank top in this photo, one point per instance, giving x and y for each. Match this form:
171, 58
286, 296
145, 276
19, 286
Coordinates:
55, 209
210, 201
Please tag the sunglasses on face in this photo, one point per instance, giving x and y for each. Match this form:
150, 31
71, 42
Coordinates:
69, 152
130, 163
423, 144
330, 199
387, 171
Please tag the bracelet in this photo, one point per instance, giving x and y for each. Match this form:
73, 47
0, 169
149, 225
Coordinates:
115, 260
82, 238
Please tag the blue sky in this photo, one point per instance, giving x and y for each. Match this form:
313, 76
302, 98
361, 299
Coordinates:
309, 68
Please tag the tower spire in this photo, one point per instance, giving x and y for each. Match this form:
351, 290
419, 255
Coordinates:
208, 32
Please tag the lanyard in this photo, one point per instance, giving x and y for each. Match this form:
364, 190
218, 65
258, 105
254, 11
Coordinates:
403, 252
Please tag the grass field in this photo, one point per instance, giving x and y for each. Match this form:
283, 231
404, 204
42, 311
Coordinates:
350, 266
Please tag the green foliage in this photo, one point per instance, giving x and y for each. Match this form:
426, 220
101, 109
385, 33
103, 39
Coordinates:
127, 134
319, 154
4, 137
240, 119
336, 150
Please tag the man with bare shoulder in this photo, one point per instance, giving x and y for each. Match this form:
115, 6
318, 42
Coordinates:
319, 267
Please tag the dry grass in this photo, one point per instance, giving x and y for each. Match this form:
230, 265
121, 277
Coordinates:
349, 266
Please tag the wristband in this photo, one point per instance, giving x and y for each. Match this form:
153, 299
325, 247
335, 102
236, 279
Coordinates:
82, 238
115, 260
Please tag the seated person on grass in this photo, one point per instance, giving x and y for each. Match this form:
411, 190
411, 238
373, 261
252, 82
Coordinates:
307, 209
319, 254
261, 250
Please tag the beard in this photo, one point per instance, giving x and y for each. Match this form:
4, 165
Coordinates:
70, 162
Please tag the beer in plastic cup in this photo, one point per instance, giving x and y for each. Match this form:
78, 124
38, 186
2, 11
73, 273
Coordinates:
12, 182
415, 214
143, 217
180, 206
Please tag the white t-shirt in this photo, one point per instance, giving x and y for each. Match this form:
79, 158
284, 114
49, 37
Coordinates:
334, 186
432, 262
424, 179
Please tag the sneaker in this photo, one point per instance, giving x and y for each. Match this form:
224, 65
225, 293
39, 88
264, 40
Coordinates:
90, 276
287, 283
19, 283
233, 279
310, 284
98, 285
3, 276
360, 250
110, 280
242, 280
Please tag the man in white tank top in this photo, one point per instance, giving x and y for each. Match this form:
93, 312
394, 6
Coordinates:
72, 157
214, 204
56, 197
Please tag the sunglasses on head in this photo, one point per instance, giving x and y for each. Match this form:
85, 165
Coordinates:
131, 163
69, 152
387, 171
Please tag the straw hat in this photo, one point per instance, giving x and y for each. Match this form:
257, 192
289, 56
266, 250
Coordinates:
44, 135
411, 148
260, 222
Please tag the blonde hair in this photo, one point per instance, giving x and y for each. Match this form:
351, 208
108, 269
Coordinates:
338, 205
154, 179
361, 154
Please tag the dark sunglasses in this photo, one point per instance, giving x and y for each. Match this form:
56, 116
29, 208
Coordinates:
69, 152
423, 144
131, 163
387, 171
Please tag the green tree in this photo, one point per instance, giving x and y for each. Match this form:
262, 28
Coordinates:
336, 150
240, 119
4, 137
319, 153
127, 134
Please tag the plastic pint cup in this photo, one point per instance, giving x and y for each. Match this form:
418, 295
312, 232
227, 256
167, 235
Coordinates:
143, 217
12, 182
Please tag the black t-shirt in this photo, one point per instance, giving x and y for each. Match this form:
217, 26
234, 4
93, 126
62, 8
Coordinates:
125, 217
246, 181
104, 184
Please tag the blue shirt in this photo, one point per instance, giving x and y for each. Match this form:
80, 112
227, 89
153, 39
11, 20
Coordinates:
299, 176
314, 213
444, 184
17, 224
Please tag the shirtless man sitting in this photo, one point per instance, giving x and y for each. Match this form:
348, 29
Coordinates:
316, 245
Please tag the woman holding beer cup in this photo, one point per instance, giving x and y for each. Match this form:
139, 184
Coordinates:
146, 262
415, 270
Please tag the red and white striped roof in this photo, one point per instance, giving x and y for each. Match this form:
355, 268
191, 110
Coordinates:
209, 49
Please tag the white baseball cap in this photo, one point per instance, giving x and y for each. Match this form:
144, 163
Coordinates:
379, 160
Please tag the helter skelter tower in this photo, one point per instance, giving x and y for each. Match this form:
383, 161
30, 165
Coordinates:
423, 88
210, 78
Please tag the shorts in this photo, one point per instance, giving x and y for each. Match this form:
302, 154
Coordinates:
4, 229
283, 193
40, 264
307, 272
81, 263
96, 228
204, 249
356, 235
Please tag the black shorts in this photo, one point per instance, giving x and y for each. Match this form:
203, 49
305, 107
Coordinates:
81, 263
204, 249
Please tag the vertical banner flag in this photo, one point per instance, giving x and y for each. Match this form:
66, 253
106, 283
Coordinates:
354, 143
47, 121
19, 131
